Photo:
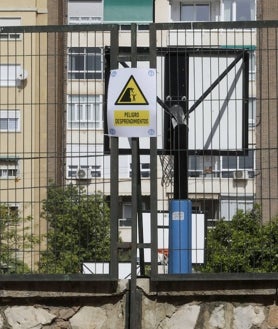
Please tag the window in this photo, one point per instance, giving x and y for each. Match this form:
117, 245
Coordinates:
144, 170
195, 168
10, 121
195, 12
225, 166
8, 168
203, 166
235, 163
84, 172
9, 213
85, 63
9, 75
239, 10
127, 215
84, 161
85, 12
10, 21
84, 112
229, 206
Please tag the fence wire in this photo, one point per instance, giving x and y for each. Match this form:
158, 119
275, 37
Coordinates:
55, 162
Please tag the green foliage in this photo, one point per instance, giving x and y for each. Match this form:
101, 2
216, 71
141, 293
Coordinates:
243, 244
78, 229
15, 237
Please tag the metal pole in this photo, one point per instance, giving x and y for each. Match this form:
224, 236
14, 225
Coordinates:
114, 165
153, 162
181, 162
180, 209
134, 322
180, 152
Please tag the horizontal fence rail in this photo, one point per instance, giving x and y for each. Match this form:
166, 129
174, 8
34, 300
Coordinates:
200, 197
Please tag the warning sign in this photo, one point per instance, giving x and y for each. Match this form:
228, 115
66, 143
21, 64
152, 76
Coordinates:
131, 94
131, 103
132, 118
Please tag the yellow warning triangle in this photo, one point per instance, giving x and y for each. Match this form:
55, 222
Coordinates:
131, 94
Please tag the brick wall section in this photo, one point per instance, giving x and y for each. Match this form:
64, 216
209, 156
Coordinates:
56, 45
267, 105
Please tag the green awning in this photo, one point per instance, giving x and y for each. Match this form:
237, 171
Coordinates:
128, 11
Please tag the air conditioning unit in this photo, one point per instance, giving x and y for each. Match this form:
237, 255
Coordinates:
240, 174
83, 174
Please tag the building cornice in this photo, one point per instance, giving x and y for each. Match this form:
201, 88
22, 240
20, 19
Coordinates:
37, 10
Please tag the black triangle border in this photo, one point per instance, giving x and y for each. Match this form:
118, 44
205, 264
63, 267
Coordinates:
125, 104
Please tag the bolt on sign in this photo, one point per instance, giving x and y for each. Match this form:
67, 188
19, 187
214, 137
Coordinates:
131, 103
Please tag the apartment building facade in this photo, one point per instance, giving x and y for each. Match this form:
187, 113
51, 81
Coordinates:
217, 184
27, 110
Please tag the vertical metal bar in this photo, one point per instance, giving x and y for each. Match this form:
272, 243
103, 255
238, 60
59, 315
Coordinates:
134, 323
114, 169
138, 172
153, 165
133, 281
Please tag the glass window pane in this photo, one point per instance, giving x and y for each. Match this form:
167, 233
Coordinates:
3, 124
229, 162
93, 63
77, 62
72, 116
247, 162
78, 112
195, 12
202, 13
127, 210
243, 10
193, 163
76, 50
228, 10
12, 125
93, 50
89, 114
187, 13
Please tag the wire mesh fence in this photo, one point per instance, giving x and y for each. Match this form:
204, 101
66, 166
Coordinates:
58, 212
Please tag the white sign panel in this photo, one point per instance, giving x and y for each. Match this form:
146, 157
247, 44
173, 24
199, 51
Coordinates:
131, 102
217, 122
198, 235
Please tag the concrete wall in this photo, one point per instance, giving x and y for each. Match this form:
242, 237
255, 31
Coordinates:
168, 305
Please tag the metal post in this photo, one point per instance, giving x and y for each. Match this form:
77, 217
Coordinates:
133, 321
153, 162
180, 208
114, 165
181, 162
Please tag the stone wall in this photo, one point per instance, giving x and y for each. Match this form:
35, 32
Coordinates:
87, 306
214, 315
194, 315
106, 316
